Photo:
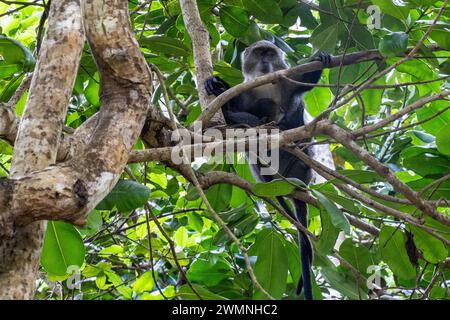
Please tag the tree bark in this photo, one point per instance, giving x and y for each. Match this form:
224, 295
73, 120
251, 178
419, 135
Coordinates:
70, 190
38, 136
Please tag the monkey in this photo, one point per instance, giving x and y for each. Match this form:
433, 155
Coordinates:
280, 103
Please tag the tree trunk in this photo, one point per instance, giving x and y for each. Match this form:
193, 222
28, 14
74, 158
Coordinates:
37, 188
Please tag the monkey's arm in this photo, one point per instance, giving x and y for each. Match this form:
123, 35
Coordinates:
312, 77
238, 109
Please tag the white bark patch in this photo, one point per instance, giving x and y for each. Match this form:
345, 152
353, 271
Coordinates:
134, 95
114, 52
110, 24
74, 18
102, 185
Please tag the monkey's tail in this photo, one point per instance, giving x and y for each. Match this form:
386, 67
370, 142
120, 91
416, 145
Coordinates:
306, 252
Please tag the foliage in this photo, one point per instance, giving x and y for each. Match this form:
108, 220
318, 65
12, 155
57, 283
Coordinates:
154, 221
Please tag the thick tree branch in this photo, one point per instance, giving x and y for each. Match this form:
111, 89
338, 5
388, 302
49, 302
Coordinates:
70, 190
347, 139
37, 140
202, 55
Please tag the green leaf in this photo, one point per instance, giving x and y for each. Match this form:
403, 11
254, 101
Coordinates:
337, 217
324, 38
443, 140
92, 91
435, 125
144, 283
219, 196
348, 204
396, 9
125, 196
63, 247
295, 267
358, 256
306, 17
165, 45
433, 250
361, 176
393, 44
345, 283
393, 252
209, 273
317, 100
235, 20
13, 52
274, 188
8, 70
328, 236
440, 35
271, 267
186, 293
267, 11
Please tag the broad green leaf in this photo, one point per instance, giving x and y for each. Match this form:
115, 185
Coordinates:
165, 45
357, 255
396, 9
443, 140
219, 196
324, 38
7, 70
13, 52
393, 44
181, 237
291, 16
294, 263
337, 217
345, 283
274, 188
306, 17
420, 70
433, 250
429, 111
328, 235
209, 273
393, 251
440, 35
346, 203
144, 283
271, 267
92, 91
186, 293
346, 75
372, 101
267, 11
63, 247
361, 176
426, 163
235, 20
317, 100
125, 196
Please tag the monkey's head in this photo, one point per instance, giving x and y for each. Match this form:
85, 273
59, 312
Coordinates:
261, 58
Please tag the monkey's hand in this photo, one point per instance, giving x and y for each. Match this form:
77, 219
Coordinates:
216, 86
323, 57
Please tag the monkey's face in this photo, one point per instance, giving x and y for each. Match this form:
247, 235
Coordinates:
262, 58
